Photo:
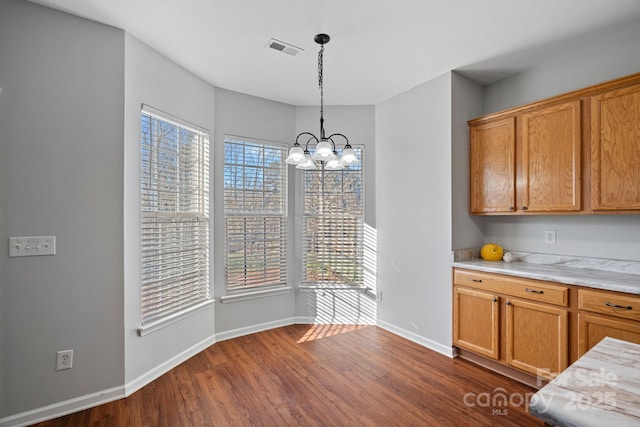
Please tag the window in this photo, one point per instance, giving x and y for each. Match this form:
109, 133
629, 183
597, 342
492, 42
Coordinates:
175, 216
333, 226
255, 211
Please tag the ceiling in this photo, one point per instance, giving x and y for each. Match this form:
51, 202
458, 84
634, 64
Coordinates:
378, 48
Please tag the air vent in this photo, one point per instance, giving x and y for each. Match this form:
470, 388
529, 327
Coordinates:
284, 47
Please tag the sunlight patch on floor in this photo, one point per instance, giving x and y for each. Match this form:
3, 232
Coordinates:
316, 332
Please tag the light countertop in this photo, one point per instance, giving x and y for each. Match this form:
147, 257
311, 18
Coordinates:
612, 275
602, 388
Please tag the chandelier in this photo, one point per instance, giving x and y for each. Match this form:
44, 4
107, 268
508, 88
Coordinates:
325, 151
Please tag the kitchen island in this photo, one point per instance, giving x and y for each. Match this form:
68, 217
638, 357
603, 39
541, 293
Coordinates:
602, 388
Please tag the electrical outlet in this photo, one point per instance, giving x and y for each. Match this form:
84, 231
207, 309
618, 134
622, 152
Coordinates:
550, 237
64, 360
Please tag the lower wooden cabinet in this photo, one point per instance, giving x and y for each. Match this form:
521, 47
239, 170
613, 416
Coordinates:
606, 314
475, 324
518, 322
592, 329
537, 337
534, 326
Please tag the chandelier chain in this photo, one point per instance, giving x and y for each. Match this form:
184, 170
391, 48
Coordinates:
320, 79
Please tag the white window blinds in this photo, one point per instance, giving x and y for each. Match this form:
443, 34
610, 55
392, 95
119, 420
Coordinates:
175, 215
333, 226
255, 209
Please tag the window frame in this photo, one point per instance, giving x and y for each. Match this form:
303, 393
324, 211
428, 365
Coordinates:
248, 285
174, 173
358, 263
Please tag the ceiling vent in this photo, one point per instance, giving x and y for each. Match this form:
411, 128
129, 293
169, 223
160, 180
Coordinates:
284, 47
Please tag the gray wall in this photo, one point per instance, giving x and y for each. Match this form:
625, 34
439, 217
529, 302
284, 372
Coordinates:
413, 210
358, 124
152, 79
600, 57
259, 118
591, 59
61, 174
466, 103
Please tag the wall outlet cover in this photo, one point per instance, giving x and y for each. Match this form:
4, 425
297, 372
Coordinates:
550, 237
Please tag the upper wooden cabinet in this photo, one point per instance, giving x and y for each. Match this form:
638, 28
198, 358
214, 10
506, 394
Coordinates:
549, 168
615, 149
493, 148
532, 159
527, 162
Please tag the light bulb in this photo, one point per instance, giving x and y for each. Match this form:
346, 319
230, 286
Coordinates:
296, 155
334, 165
349, 157
307, 163
324, 151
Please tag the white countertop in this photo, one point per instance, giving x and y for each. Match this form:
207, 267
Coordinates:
602, 388
561, 273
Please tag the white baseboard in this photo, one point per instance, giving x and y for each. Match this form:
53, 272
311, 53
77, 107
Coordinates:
94, 399
63, 408
430, 344
235, 333
146, 378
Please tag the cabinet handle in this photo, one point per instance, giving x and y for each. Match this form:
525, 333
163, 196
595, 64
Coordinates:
474, 280
524, 208
494, 299
533, 291
508, 302
626, 307
511, 208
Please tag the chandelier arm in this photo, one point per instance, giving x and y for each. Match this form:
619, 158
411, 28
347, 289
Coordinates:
306, 147
347, 145
333, 143
306, 133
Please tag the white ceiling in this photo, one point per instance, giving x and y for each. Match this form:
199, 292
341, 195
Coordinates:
378, 48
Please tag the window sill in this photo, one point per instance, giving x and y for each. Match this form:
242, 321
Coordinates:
329, 287
159, 324
254, 294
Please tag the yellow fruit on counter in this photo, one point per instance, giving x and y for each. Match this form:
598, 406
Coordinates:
491, 252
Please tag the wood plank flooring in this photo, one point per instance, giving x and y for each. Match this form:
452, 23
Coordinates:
318, 375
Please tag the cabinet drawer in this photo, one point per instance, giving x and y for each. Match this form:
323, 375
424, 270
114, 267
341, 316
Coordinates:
534, 290
613, 304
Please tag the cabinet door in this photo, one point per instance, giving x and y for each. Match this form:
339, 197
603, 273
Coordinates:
615, 150
537, 340
492, 167
592, 329
549, 170
475, 321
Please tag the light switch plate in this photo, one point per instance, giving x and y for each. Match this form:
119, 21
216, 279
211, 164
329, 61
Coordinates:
32, 246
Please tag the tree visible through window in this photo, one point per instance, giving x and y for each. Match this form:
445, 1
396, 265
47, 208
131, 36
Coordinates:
334, 225
175, 215
255, 209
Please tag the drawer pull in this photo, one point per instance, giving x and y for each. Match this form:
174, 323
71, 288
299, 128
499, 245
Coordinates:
533, 291
474, 280
626, 307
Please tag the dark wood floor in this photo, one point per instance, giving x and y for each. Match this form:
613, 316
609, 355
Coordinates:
318, 375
